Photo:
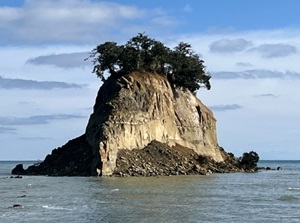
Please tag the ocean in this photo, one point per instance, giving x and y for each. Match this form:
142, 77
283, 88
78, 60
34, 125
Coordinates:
265, 196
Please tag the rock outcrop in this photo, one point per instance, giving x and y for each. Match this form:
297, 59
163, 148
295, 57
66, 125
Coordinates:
135, 109
18, 169
72, 159
141, 125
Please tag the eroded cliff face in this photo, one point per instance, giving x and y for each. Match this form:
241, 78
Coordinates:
133, 110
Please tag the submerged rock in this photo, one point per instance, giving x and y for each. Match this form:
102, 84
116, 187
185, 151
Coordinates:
16, 177
18, 206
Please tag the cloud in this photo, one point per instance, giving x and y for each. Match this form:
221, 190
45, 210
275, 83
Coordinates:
76, 21
8, 83
255, 74
26, 103
265, 96
4, 129
243, 64
229, 46
35, 120
221, 108
34, 138
64, 60
275, 50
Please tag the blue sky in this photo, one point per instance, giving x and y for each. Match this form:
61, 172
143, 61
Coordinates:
251, 49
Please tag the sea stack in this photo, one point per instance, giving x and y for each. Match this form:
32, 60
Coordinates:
146, 119
137, 113
136, 109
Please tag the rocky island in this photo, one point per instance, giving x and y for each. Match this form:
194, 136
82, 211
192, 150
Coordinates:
146, 119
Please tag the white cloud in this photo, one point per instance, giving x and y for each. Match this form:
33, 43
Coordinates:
35, 120
63, 60
231, 60
229, 45
76, 21
275, 50
35, 138
266, 95
9, 14
8, 83
222, 108
255, 74
244, 64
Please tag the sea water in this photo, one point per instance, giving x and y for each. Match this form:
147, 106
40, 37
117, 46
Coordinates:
266, 196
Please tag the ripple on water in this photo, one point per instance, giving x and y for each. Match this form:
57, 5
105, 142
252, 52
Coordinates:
294, 188
57, 208
288, 198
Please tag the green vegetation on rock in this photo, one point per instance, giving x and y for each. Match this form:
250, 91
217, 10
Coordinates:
181, 65
249, 160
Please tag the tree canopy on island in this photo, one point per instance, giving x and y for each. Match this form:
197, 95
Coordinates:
181, 65
249, 160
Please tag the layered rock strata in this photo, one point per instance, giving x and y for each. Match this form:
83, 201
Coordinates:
135, 109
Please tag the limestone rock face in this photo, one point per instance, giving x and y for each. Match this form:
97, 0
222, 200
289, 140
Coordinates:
133, 110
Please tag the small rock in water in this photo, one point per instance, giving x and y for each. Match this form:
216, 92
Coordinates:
17, 206
18, 170
22, 196
16, 176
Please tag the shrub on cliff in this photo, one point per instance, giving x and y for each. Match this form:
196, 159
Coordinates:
181, 65
249, 160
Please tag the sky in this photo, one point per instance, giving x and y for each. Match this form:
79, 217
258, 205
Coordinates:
250, 48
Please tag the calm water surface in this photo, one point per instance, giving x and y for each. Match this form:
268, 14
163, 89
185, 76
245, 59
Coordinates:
267, 196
